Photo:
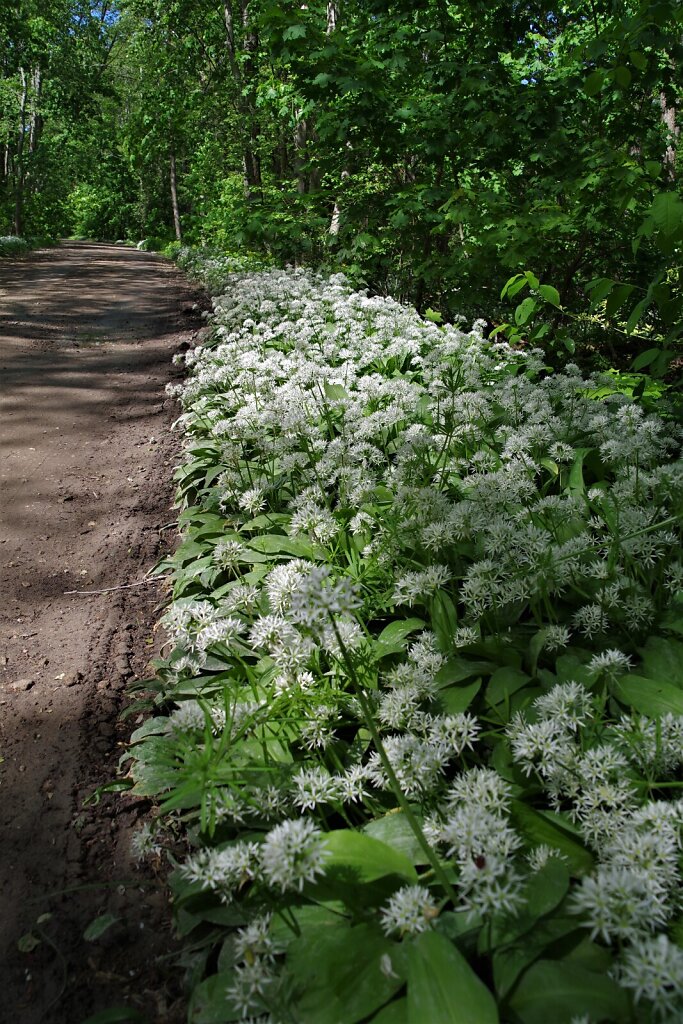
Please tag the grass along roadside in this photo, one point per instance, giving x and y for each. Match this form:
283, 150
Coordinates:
421, 716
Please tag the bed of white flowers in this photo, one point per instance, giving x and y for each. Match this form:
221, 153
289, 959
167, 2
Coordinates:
421, 717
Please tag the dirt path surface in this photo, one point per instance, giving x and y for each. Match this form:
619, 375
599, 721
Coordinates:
87, 333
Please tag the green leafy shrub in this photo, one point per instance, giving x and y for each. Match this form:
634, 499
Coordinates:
171, 250
98, 211
13, 245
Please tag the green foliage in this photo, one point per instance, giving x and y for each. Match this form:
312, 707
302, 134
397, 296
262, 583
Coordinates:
392, 527
432, 153
12, 245
98, 211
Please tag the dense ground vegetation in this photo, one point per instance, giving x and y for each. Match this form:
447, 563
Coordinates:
421, 716
417, 742
432, 151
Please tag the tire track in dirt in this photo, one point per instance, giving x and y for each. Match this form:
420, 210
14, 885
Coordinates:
87, 333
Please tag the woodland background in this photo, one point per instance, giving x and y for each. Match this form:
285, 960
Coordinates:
433, 151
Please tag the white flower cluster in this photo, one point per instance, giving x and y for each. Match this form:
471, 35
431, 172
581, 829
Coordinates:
391, 462
290, 855
477, 833
633, 893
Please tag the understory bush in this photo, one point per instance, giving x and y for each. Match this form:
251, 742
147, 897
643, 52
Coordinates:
13, 245
420, 721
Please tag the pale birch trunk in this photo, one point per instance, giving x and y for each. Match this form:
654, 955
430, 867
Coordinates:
174, 198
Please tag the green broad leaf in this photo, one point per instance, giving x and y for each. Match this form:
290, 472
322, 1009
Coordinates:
443, 988
265, 522
444, 619
645, 359
276, 544
308, 917
663, 659
525, 311
622, 76
365, 857
394, 830
341, 973
152, 727
536, 645
531, 278
323, 80
544, 892
294, 32
510, 960
210, 1002
672, 622
455, 699
547, 888
504, 682
455, 925
204, 520
589, 955
558, 991
636, 314
99, 926
667, 212
639, 60
599, 289
398, 630
594, 83
456, 670
514, 285
187, 551
617, 297
648, 696
575, 485
394, 1013
550, 294
545, 827
434, 316
116, 1015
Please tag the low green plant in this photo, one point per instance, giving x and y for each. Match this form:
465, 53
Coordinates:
13, 245
421, 715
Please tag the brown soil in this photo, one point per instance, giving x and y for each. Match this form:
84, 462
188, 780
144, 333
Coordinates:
87, 333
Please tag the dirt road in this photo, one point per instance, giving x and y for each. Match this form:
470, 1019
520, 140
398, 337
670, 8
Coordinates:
87, 333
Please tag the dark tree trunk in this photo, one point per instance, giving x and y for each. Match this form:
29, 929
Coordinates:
244, 79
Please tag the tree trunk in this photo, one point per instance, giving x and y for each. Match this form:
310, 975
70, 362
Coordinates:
18, 221
300, 140
243, 78
36, 124
335, 222
174, 198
